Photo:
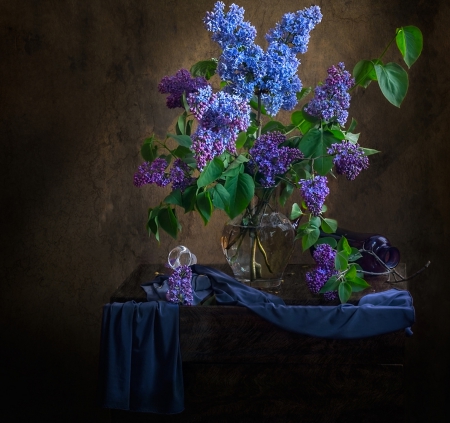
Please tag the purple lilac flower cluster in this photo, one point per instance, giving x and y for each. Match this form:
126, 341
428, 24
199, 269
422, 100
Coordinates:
177, 84
349, 159
155, 173
314, 191
152, 173
180, 288
324, 256
248, 69
331, 100
221, 116
294, 28
268, 159
180, 176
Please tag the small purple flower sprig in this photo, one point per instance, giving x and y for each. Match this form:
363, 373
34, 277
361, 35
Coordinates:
180, 287
335, 275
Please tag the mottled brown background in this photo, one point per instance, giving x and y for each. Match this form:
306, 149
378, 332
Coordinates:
78, 95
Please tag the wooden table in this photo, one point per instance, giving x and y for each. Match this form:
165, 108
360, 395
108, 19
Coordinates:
237, 367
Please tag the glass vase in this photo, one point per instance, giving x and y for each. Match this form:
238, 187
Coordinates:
258, 244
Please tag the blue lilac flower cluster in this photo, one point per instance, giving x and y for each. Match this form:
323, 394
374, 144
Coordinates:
180, 288
155, 173
221, 116
247, 69
294, 28
314, 191
331, 100
268, 159
349, 159
324, 256
177, 84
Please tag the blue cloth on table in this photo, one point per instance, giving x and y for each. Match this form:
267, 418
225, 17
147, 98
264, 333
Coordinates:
375, 314
140, 359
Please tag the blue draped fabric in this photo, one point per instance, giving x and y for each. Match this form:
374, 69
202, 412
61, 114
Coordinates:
140, 363
375, 314
140, 359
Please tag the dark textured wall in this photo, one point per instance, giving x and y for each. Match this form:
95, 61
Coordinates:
77, 96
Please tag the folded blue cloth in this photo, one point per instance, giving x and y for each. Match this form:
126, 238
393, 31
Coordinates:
140, 359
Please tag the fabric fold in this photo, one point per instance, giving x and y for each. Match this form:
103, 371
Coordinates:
140, 359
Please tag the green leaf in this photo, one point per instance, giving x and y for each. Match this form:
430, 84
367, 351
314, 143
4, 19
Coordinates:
188, 198
297, 117
241, 189
314, 144
240, 141
341, 260
369, 151
310, 238
184, 140
181, 124
329, 226
286, 193
168, 221
204, 206
189, 127
205, 68
327, 240
409, 41
152, 222
221, 198
210, 173
344, 291
351, 273
303, 93
175, 197
296, 211
272, 126
149, 152
357, 284
332, 284
354, 255
352, 125
343, 245
314, 221
353, 138
181, 152
364, 72
338, 134
393, 82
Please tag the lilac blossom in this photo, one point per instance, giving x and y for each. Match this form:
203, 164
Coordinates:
314, 191
324, 255
180, 288
229, 28
248, 69
177, 84
294, 28
152, 173
332, 99
180, 176
221, 116
349, 159
268, 159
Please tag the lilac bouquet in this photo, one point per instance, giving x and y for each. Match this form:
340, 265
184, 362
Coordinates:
230, 148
